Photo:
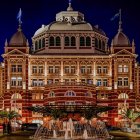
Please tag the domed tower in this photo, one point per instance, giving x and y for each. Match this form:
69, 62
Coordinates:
121, 41
123, 72
16, 72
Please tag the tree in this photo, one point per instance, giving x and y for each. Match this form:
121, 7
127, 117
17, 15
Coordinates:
9, 115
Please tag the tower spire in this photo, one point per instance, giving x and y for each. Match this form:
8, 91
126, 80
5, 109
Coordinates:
19, 15
70, 7
120, 21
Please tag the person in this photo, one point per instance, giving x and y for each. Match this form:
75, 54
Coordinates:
4, 127
9, 127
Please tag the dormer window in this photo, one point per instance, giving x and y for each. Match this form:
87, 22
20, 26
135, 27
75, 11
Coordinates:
51, 41
73, 41
88, 41
58, 41
67, 41
82, 41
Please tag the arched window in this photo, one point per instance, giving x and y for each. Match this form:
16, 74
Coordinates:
40, 44
73, 41
58, 41
36, 45
103, 45
51, 41
88, 41
67, 41
16, 96
82, 41
96, 42
123, 96
43, 43
70, 93
51, 94
100, 45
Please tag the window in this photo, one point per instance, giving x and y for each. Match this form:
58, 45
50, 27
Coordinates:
13, 68
125, 81
51, 94
40, 83
70, 103
125, 68
99, 83
13, 81
96, 42
120, 81
103, 45
73, 80
83, 80
40, 44
73, 41
88, 41
19, 81
43, 43
67, 41
34, 69
50, 81
40, 69
89, 81
120, 68
99, 69
123, 96
70, 93
34, 82
105, 70
51, 41
83, 69
16, 96
89, 69
58, 41
36, 45
72, 69
66, 69
105, 83
100, 45
67, 80
56, 81
57, 69
50, 69
82, 41
19, 68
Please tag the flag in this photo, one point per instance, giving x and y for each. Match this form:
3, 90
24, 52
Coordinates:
115, 16
19, 15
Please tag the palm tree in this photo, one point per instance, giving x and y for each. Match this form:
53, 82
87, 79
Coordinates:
131, 115
9, 115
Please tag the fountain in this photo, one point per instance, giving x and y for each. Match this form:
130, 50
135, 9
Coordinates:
70, 129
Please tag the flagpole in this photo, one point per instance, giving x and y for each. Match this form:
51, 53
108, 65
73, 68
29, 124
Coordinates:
120, 21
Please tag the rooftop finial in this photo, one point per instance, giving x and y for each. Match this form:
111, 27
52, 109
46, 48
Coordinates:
120, 21
19, 15
70, 7
6, 43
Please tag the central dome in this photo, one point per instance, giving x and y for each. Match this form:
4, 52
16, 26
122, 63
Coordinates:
18, 39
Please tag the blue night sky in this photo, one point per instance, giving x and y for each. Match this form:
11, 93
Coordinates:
38, 12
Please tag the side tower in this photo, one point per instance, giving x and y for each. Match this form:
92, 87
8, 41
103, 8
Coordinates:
16, 73
123, 73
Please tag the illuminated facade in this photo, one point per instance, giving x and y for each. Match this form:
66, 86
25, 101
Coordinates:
69, 63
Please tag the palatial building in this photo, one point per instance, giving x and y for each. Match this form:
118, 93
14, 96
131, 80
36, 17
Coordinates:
69, 63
